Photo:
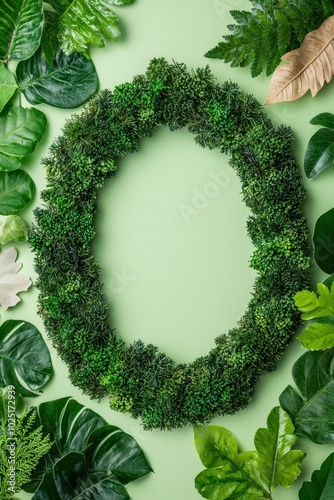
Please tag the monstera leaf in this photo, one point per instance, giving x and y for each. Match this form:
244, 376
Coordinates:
102, 457
20, 130
68, 83
311, 405
306, 68
11, 283
321, 486
21, 23
24, 358
78, 23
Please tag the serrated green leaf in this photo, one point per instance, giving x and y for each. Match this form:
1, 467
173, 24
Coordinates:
12, 228
8, 85
23, 356
84, 22
311, 406
21, 24
321, 486
70, 82
319, 152
323, 240
278, 464
16, 190
20, 130
110, 455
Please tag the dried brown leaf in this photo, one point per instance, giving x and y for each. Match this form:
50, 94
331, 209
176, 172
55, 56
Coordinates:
307, 68
10, 282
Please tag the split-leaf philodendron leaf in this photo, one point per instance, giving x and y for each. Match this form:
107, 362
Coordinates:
23, 356
250, 475
311, 406
321, 486
319, 152
20, 130
21, 24
323, 240
8, 85
70, 82
80, 23
16, 191
12, 228
11, 282
104, 457
319, 312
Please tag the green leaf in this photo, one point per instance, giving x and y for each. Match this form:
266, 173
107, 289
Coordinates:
321, 486
319, 152
21, 24
12, 228
23, 356
323, 240
230, 474
20, 130
16, 191
8, 85
311, 406
318, 334
71, 479
70, 82
324, 120
83, 22
278, 464
111, 456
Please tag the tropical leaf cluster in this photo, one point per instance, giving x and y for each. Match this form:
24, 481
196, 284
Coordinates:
261, 36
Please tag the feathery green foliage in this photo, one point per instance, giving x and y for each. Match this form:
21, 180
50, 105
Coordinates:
272, 27
138, 377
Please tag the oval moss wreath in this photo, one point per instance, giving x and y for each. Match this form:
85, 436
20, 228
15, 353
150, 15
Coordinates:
138, 377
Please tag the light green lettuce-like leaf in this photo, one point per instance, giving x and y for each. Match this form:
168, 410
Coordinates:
107, 457
319, 310
277, 463
16, 190
8, 85
81, 23
12, 228
21, 24
70, 82
24, 357
321, 486
20, 130
229, 474
311, 405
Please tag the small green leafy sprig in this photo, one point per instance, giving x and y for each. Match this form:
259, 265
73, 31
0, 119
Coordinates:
269, 30
252, 475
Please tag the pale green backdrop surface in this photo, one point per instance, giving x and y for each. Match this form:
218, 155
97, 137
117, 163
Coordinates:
172, 241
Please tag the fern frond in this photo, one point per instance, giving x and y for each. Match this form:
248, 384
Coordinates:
270, 29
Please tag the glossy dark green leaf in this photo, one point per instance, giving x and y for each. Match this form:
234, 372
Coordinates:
323, 240
70, 82
23, 356
20, 130
110, 454
16, 191
8, 85
321, 486
311, 405
21, 24
324, 120
319, 152
72, 479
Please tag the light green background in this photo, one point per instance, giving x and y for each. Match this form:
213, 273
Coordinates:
173, 280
